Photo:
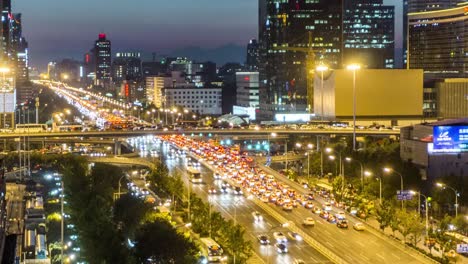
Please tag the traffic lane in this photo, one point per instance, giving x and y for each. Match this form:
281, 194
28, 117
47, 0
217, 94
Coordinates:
354, 246
229, 204
380, 248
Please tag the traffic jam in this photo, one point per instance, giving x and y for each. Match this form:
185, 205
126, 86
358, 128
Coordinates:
239, 174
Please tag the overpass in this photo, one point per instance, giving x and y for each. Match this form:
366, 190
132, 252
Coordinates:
231, 132
122, 161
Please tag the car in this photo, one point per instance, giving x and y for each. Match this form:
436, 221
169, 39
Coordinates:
359, 226
299, 261
295, 236
288, 207
324, 214
340, 216
317, 210
224, 189
309, 205
216, 176
327, 207
281, 248
263, 239
212, 190
342, 223
280, 237
309, 221
257, 216
331, 219
237, 190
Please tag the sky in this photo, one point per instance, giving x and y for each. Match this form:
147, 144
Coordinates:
57, 29
61, 28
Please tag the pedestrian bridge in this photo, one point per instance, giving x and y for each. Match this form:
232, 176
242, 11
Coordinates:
122, 161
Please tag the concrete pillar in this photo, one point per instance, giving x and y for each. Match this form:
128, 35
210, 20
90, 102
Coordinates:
118, 147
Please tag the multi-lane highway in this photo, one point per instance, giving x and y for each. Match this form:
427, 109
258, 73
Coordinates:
239, 209
350, 245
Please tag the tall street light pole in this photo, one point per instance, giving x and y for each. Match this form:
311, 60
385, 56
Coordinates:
321, 69
348, 159
354, 68
426, 207
390, 170
442, 185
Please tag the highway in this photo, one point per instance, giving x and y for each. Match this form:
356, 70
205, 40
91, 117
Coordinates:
240, 209
352, 246
15, 208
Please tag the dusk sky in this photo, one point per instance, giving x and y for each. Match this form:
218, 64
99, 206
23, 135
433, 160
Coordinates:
58, 29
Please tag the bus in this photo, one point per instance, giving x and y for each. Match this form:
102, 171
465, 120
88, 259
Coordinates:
195, 175
212, 251
30, 128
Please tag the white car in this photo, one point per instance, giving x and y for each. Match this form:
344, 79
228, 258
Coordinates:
257, 216
359, 227
295, 236
281, 248
309, 221
340, 216
280, 237
327, 207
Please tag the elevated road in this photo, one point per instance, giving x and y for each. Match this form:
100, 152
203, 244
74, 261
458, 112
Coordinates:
213, 132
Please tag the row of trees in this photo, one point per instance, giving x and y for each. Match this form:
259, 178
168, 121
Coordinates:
204, 220
125, 231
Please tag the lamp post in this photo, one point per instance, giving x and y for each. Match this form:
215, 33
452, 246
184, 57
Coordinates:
4, 88
310, 148
390, 170
321, 68
354, 68
369, 174
443, 186
268, 137
120, 184
61, 223
348, 159
328, 150
426, 207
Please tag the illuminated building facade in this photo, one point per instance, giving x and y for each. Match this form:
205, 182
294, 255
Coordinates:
102, 56
287, 31
253, 55
126, 66
431, 5
438, 41
369, 34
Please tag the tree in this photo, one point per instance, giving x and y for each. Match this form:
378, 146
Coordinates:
235, 243
410, 224
128, 213
159, 242
385, 214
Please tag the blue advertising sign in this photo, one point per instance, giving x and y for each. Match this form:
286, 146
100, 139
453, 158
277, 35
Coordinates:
450, 139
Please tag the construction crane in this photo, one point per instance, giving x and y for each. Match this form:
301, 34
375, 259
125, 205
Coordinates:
310, 66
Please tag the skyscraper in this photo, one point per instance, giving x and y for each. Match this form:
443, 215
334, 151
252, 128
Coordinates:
126, 66
438, 41
288, 31
102, 58
369, 33
6, 15
253, 55
431, 5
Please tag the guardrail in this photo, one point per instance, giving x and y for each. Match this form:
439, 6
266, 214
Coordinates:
372, 229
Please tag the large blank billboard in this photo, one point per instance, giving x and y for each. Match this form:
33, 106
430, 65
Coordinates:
379, 93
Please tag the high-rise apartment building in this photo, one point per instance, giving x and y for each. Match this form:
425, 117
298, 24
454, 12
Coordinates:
102, 58
288, 30
19, 55
5, 34
369, 33
438, 41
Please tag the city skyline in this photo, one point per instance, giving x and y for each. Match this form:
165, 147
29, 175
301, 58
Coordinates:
151, 27
161, 26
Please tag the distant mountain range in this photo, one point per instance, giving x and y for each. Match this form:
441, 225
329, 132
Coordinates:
219, 55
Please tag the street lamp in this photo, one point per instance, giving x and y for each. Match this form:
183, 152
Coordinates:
369, 174
4, 70
389, 171
268, 137
321, 68
309, 150
354, 68
348, 159
419, 209
443, 186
